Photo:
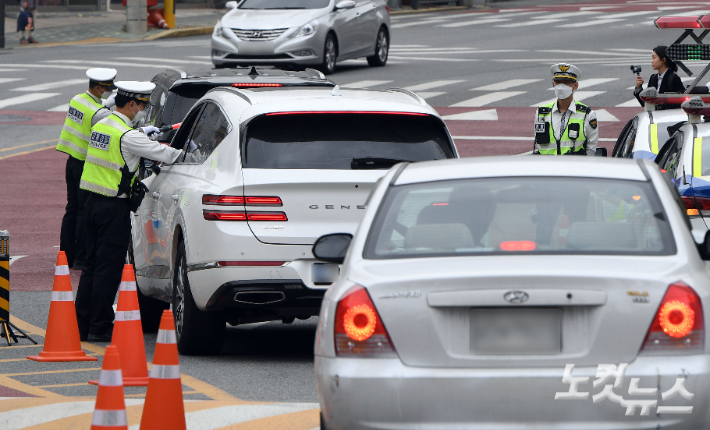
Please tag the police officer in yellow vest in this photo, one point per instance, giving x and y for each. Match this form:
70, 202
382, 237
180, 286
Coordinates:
565, 126
115, 149
85, 110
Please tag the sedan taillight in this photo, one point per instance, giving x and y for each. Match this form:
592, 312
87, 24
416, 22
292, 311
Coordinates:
211, 215
678, 326
359, 331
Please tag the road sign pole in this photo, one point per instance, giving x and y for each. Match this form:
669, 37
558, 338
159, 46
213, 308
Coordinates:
6, 327
2, 24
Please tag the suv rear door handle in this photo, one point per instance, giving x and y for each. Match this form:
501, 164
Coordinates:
176, 197
156, 195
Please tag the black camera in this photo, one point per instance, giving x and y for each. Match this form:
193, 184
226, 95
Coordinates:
636, 69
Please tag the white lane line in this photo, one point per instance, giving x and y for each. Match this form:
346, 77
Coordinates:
429, 94
641, 51
566, 15
201, 57
530, 138
586, 83
8, 80
488, 99
215, 418
12, 260
423, 22
589, 23
630, 103
453, 60
44, 66
27, 98
10, 70
110, 63
499, 86
148, 59
603, 115
429, 85
474, 22
578, 96
478, 115
409, 46
630, 14
28, 417
60, 108
570, 51
586, 8
439, 52
530, 23
52, 85
364, 84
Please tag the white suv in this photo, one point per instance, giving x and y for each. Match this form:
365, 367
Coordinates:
225, 233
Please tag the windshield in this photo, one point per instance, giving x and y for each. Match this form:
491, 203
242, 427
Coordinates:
343, 141
520, 215
284, 4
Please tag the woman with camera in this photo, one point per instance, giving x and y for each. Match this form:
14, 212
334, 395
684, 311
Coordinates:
665, 81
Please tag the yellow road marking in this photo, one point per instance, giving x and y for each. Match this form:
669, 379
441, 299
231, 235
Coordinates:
30, 402
78, 384
29, 389
18, 346
8, 360
47, 372
26, 152
28, 144
303, 420
208, 390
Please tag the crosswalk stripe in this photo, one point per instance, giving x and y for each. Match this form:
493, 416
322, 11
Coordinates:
429, 94
60, 108
11, 70
477, 115
147, 59
110, 63
28, 417
630, 14
589, 23
52, 85
8, 80
578, 96
488, 99
530, 23
365, 84
429, 85
439, 52
452, 60
630, 103
567, 14
27, 98
44, 66
201, 57
412, 24
586, 83
475, 22
506, 84
603, 115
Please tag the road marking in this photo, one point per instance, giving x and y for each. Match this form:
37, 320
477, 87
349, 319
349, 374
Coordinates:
11, 70
586, 83
201, 57
148, 60
630, 103
578, 96
8, 80
44, 66
488, 99
566, 15
506, 84
25, 152
603, 115
28, 417
364, 84
475, 22
429, 85
530, 23
27, 98
60, 108
52, 85
22, 146
112, 63
589, 23
478, 115
630, 14
455, 60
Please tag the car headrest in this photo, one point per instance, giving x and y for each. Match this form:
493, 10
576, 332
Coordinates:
700, 89
439, 236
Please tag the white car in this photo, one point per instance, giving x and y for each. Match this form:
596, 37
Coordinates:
517, 293
225, 233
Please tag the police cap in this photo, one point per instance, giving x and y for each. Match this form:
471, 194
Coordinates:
103, 77
562, 71
136, 90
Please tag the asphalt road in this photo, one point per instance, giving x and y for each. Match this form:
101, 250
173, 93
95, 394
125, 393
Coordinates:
482, 71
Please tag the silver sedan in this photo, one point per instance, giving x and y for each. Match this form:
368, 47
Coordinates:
302, 33
517, 293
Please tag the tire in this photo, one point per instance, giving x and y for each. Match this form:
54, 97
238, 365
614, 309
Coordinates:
151, 309
198, 332
330, 55
382, 49
322, 422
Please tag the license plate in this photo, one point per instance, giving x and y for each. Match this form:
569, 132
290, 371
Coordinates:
325, 274
516, 331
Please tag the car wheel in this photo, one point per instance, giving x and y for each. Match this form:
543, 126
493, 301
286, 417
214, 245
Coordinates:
198, 332
151, 309
382, 49
330, 55
322, 422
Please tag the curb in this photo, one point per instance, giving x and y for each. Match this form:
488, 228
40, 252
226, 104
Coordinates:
180, 32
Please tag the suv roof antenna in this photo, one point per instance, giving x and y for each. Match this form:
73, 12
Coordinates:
253, 71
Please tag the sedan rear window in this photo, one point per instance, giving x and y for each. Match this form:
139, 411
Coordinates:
344, 141
520, 216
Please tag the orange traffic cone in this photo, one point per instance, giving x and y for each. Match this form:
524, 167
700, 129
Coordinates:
163, 407
110, 409
61, 342
128, 333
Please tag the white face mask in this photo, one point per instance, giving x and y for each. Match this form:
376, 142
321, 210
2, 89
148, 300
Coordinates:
106, 94
562, 91
139, 116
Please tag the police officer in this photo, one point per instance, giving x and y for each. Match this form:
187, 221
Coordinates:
85, 110
114, 152
565, 126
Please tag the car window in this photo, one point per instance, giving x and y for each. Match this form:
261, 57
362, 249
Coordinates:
284, 4
185, 130
624, 144
669, 157
158, 98
212, 127
343, 141
514, 215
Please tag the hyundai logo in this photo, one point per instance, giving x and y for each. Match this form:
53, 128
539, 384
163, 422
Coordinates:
516, 297
256, 34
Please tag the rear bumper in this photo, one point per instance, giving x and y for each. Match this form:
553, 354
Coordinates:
386, 394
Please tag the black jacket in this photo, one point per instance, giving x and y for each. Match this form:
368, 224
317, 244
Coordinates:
671, 84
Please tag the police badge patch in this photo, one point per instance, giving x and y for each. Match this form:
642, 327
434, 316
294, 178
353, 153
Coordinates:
99, 140
593, 123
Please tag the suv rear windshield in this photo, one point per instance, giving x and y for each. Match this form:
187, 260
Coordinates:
520, 216
343, 141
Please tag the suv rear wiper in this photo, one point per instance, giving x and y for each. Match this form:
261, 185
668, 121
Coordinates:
374, 163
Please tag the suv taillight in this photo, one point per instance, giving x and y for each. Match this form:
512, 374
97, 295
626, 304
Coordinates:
213, 215
696, 206
678, 326
211, 199
359, 331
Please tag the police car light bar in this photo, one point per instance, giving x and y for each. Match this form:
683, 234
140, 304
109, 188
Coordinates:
681, 22
696, 106
673, 99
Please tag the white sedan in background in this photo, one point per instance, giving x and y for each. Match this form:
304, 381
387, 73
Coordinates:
517, 293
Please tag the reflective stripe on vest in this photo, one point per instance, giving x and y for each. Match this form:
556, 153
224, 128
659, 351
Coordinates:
566, 144
74, 139
102, 169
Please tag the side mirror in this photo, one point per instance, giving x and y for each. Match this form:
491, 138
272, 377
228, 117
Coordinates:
332, 248
345, 4
600, 152
703, 243
231, 5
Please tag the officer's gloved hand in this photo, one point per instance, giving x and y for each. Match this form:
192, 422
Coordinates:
150, 131
110, 102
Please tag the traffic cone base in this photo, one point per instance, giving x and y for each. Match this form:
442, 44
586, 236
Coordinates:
61, 341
